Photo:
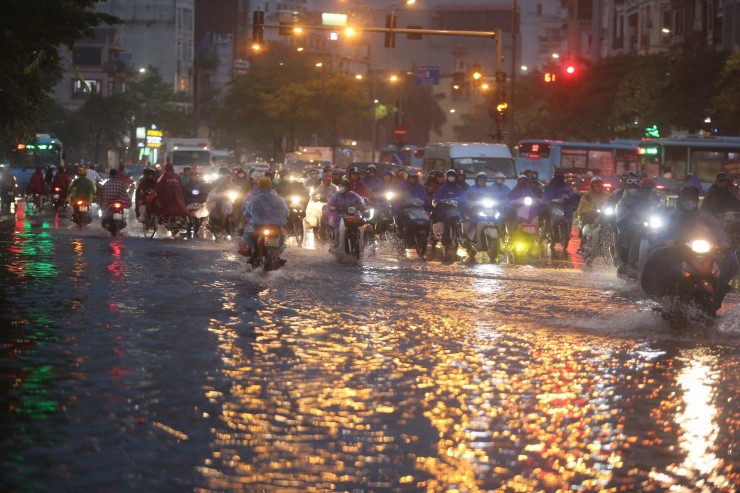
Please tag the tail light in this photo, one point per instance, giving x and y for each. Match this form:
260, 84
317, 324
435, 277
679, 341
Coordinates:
80, 202
57, 189
117, 205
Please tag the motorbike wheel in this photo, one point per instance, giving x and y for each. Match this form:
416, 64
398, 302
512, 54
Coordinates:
493, 246
353, 244
298, 230
564, 234
705, 303
270, 260
422, 241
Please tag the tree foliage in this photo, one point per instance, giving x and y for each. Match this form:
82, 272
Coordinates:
31, 32
621, 96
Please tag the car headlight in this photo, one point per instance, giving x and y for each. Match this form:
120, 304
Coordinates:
655, 222
527, 200
389, 195
487, 203
232, 196
295, 200
700, 246
609, 211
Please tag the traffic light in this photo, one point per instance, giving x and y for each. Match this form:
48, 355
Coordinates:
258, 27
570, 69
390, 23
501, 108
550, 77
477, 76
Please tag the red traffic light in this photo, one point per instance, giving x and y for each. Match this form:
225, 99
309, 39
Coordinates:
570, 69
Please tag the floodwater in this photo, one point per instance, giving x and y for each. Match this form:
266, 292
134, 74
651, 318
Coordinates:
160, 365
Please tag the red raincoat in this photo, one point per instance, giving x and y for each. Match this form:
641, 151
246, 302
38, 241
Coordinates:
61, 180
170, 200
37, 185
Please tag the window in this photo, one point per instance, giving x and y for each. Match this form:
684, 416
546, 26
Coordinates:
86, 56
489, 165
675, 162
574, 159
706, 163
81, 89
602, 162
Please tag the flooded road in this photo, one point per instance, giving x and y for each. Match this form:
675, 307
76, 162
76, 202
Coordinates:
160, 365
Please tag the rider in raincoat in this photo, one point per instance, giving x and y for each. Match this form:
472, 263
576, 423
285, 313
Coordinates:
265, 208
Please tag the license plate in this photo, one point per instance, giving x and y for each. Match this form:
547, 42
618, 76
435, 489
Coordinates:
83, 208
272, 241
56, 196
117, 216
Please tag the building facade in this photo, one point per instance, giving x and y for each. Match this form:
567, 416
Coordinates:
158, 33
98, 64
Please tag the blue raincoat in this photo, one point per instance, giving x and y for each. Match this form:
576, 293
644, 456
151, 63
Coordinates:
473, 194
449, 191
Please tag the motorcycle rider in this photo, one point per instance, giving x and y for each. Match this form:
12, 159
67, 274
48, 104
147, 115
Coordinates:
559, 188
461, 179
313, 180
451, 190
37, 186
590, 205
8, 189
722, 196
266, 208
411, 188
371, 179
49, 176
325, 190
627, 222
61, 181
356, 185
82, 188
170, 200
435, 182
686, 223
338, 205
147, 187
479, 191
498, 187
336, 176
534, 183
114, 190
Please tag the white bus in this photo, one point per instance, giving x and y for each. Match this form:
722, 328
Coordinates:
473, 157
578, 158
680, 155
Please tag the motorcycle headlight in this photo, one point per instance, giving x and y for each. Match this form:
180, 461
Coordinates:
609, 211
487, 203
389, 196
196, 192
655, 222
351, 210
498, 214
232, 196
293, 178
295, 200
527, 200
482, 214
371, 214
266, 232
700, 246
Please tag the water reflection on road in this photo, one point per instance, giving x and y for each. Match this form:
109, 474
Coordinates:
137, 364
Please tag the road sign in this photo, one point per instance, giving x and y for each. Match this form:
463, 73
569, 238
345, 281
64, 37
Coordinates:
399, 131
427, 76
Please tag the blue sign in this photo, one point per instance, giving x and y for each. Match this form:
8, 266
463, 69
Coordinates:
427, 76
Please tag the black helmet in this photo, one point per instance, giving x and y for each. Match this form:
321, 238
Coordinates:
354, 170
345, 183
113, 173
148, 171
722, 176
559, 173
438, 173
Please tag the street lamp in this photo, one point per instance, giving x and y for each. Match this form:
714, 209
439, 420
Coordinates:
299, 49
142, 70
393, 78
555, 56
319, 64
524, 68
665, 30
350, 31
256, 47
358, 76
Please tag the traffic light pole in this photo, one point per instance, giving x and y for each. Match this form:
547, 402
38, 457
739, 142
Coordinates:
512, 107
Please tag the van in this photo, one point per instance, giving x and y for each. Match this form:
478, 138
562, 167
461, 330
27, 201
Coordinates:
473, 157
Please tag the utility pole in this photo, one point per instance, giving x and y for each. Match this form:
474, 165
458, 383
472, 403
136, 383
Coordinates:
512, 106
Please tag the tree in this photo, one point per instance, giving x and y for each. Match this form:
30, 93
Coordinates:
726, 104
32, 32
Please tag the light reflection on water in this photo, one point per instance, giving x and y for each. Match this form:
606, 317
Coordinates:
393, 376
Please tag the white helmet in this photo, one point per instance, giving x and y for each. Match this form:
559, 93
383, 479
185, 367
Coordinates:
499, 175
482, 174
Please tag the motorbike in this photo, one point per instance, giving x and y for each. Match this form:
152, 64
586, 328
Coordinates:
36, 201
317, 218
198, 214
523, 236
221, 221
559, 227
297, 206
58, 201
447, 228
352, 233
650, 224
267, 248
695, 283
115, 220
81, 213
150, 222
485, 234
413, 225
382, 220
599, 237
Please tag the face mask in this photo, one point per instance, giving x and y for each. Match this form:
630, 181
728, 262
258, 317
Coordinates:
500, 181
631, 192
452, 179
342, 189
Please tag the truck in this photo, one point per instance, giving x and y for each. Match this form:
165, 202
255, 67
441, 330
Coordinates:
185, 152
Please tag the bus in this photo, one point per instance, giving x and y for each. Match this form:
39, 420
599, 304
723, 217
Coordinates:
473, 157
678, 156
406, 156
41, 150
544, 156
